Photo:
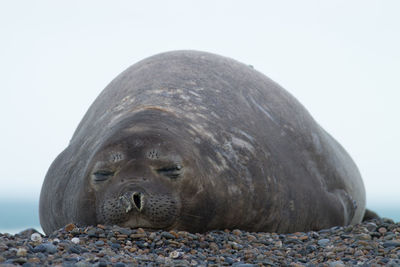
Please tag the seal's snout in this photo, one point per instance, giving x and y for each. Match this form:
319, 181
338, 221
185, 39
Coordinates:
137, 200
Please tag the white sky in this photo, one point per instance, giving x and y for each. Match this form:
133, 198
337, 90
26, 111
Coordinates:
341, 59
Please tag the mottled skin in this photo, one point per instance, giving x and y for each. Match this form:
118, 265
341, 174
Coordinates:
194, 141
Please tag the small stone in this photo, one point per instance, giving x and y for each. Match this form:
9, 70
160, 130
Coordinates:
176, 254
75, 240
99, 243
125, 231
311, 248
303, 237
3, 247
75, 231
388, 220
22, 252
251, 238
69, 227
336, 264
236, 232
116, 245
174, 234
138, 236
314, 234
213, 246
382, 230
71, 259
50, 248
92, 233
260, 257
364, 237
362, 243
212, 259
371, 226
34, 260
167, 235
192, 236
152, 236
36, 237
229, 260
39, 248
393, 243
323, 242
278, 244
358, 253
102, 264
389, 237
75, 249
20, 260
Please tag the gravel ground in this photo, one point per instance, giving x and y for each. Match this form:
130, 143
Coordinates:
372, 243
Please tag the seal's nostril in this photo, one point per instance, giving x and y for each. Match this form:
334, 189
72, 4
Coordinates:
137, 201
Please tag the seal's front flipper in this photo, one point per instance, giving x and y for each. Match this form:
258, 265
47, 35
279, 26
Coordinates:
349, 205
369, 215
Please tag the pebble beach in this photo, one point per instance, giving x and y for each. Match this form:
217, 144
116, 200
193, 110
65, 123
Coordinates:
372, 243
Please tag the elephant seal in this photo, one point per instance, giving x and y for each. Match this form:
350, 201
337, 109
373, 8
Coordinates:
194, 141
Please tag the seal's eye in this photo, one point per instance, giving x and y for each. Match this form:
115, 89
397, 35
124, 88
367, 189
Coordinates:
171, 171
102, 175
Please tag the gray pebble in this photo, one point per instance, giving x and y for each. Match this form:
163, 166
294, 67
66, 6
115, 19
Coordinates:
50, 248
323, 242
99, 243
124, 231
336, 264
92, 233
167, 235
39, 248
241, 264
82, 264
393, 243
116, 245
75, 249
371, 226
229, 260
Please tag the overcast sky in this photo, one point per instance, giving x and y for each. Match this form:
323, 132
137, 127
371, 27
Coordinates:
341, 59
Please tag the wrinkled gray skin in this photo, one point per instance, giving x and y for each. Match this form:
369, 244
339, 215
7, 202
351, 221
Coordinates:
194, 141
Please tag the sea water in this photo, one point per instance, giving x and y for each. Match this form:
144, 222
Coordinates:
16, 216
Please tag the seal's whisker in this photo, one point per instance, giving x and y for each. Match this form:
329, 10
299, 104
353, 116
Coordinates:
191, 215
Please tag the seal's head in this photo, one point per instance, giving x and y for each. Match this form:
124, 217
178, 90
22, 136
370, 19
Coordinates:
138, 174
